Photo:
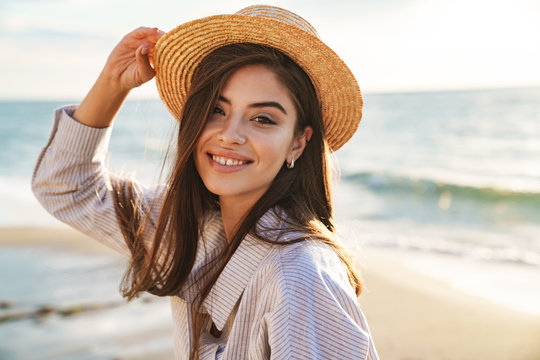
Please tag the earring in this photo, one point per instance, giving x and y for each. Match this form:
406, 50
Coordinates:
291, 164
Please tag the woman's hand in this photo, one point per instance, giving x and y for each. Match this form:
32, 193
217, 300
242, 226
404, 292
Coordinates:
130, 64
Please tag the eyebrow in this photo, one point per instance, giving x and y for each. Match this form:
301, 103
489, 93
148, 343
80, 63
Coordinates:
262, 104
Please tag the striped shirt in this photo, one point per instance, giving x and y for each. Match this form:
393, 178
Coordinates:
270, 302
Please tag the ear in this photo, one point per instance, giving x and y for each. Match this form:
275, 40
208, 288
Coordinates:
299, 144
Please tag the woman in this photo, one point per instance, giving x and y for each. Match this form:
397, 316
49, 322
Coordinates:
241, 237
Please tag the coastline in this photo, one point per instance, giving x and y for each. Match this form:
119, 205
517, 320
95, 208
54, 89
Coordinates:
412, 314
63, 237
416, 316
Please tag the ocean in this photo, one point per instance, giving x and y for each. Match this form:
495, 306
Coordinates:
463, 166
455, 173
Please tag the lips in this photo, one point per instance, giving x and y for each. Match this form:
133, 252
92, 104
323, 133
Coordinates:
228, 161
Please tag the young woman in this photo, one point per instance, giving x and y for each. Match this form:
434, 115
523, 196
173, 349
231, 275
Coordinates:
241, 237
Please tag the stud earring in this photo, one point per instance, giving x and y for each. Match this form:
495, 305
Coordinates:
291, 164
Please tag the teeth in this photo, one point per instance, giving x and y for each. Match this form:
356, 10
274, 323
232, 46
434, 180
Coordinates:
227, 162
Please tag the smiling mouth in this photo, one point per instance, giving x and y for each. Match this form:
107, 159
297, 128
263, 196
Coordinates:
228, 161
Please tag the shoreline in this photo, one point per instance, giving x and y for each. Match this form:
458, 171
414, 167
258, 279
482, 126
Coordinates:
416, 316
64, 238
412, 313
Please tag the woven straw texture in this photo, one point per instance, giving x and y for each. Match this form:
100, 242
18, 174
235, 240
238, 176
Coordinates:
179, 52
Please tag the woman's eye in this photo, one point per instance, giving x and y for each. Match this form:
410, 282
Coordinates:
218, 110
263, 120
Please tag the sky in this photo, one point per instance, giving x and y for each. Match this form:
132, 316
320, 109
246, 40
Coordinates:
54, 49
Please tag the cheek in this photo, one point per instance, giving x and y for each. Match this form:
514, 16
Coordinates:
275, 149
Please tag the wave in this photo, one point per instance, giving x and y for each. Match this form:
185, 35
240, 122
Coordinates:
481, 244
389, 183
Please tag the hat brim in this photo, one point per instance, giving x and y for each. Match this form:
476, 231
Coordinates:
178, 53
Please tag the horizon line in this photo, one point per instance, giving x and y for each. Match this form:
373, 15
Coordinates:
375, 92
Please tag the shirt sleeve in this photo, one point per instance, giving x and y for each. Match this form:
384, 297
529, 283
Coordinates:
71, 181
316, 315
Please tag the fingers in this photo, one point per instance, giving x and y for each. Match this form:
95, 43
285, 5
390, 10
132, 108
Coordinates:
131, 60
146, 36
152, 35
145, 70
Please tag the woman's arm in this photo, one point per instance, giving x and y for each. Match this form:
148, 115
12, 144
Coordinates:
129, 65
70, 178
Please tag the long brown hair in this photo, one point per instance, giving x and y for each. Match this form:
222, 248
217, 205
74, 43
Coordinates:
303, 192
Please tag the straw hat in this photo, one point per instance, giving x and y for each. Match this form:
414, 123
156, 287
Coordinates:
178, 53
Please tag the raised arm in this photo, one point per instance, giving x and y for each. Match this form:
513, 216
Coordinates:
129, 65
70, 179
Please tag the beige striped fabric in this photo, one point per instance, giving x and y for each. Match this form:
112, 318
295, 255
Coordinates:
270, 302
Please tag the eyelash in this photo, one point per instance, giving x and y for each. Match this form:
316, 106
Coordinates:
262, 120
218, 110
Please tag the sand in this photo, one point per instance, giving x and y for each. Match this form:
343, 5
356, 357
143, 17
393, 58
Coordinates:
64, 238
411, 315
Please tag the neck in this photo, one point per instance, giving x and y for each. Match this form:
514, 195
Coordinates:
233, 212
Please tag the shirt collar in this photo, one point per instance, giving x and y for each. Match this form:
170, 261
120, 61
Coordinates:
211, 244
241, 267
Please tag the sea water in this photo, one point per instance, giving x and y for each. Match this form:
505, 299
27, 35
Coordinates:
452, 173
87, 317
459, 170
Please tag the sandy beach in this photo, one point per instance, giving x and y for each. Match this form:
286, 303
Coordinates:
411, 315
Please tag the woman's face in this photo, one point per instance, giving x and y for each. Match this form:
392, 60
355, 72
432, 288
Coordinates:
249, 136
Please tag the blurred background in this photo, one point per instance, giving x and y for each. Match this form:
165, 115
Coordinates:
439, 196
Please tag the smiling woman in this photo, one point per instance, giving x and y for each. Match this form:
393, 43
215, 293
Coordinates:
241, 237
245, 143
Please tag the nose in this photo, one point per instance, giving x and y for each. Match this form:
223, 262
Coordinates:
232, 131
